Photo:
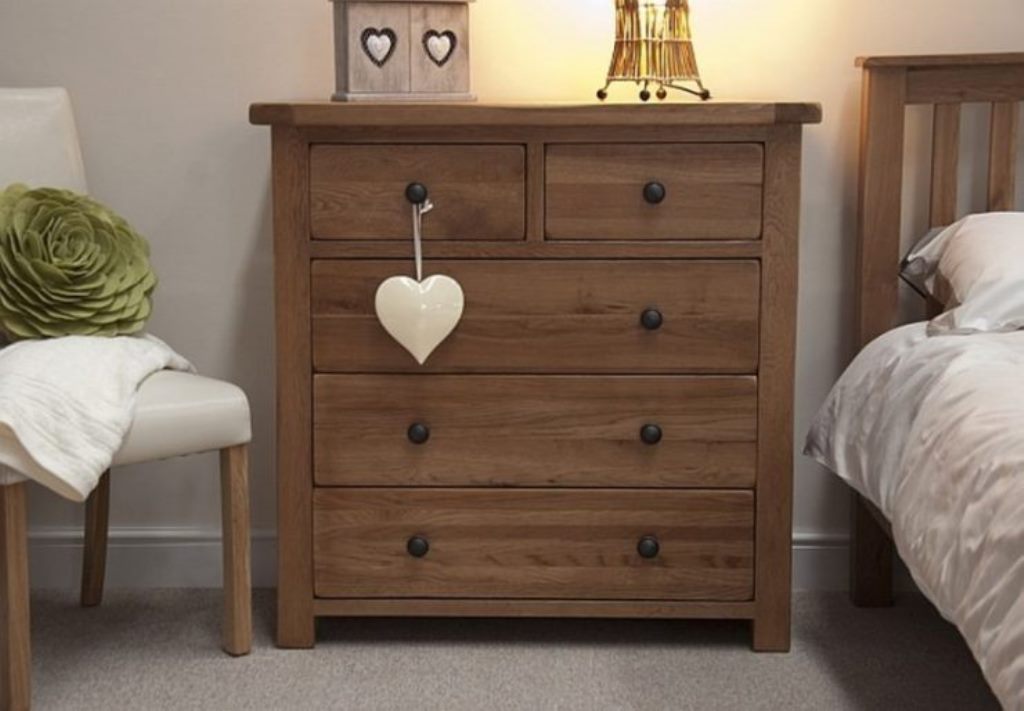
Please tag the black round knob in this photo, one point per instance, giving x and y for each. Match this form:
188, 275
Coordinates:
650, 434
648, 547
651, 319
418, 433
654, 193
418, 546
416, 193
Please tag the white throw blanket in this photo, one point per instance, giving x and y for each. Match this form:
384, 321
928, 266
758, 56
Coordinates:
66, 405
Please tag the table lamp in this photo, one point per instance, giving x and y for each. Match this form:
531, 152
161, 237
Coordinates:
653, 46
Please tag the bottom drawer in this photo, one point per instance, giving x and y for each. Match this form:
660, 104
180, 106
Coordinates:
534, 543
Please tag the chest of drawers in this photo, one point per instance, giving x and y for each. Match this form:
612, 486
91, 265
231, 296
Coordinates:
608, 431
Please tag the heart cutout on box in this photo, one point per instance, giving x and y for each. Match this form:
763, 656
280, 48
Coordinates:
440, 46
420, 315
379, 45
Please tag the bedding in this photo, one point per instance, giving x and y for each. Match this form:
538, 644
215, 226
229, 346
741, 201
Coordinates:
931, 430
976, 268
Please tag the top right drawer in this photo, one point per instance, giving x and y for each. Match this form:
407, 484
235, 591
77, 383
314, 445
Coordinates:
668, 191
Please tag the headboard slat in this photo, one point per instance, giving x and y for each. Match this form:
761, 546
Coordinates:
1003, 156
880, 199
945, 162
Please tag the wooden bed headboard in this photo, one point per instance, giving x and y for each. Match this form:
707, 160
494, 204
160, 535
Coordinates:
890, 85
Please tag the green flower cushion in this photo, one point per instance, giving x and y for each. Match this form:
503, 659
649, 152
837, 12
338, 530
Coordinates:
69, 266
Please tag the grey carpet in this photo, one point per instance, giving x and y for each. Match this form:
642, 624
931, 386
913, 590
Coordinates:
152, 650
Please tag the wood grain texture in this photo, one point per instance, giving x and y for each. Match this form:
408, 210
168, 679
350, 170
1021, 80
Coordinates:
880, 201
713, 191
439, 607
545, 321
537, 248
94, 545
878, 252
452, 77
295, 621
364, 76
234, 497
1002, 169
960, 84
539, 316
945, 164
475, 134
15, 638
547, 544
536, 196
358, 192
937, 60
456, 116
535, 431
780, 266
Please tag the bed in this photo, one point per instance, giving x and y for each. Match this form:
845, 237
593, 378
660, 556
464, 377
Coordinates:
929, 430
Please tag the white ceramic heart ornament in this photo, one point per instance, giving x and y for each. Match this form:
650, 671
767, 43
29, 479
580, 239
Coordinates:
419, 313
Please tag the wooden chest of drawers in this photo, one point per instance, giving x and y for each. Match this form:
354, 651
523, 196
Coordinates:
608, 431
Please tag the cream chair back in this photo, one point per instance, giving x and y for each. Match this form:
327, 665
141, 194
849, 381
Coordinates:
38, 140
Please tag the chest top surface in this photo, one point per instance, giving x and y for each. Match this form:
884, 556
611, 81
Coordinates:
322, 114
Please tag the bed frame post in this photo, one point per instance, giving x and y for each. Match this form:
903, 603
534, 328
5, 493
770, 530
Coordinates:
883, 109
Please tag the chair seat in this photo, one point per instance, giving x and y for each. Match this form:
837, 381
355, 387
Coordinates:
181, 413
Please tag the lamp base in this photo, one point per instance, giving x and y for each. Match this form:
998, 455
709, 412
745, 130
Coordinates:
662, 91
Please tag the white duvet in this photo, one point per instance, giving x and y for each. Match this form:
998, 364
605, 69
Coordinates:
931, 429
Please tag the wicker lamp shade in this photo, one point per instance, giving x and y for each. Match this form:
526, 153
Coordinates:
654, 45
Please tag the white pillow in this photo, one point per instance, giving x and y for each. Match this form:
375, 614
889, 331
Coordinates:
976, 268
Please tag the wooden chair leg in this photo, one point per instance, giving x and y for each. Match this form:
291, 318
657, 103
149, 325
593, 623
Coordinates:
94, 553
234, 492
871, 555
15, 643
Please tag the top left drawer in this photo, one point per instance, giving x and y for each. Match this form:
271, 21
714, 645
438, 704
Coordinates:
358, 192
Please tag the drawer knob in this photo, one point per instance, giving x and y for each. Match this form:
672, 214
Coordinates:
648, 547
416, 193
650, 434
418, 546
652, 319
654, 193
418, 433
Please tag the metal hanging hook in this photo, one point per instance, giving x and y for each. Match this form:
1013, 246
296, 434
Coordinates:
418, 211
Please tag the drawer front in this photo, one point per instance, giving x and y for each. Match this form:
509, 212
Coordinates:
358, 192
534, 431
707, 191
554, 544
552, 316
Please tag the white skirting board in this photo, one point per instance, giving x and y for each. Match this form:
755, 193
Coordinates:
191, 558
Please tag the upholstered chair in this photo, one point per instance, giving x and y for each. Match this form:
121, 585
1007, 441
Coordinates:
176, 414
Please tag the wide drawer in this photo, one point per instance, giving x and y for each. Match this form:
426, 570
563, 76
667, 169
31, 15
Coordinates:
359, 191
654, 192
552, 316
549, 544
535, 431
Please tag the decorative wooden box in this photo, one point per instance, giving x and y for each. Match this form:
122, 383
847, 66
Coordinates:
402, 50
